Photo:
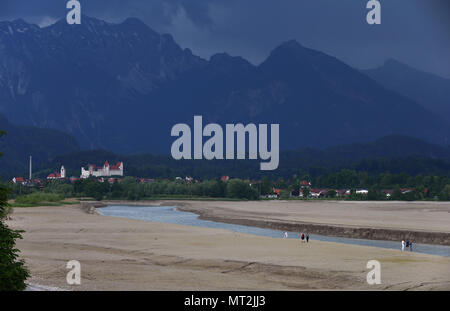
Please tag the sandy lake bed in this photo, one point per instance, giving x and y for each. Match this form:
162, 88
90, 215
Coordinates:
127, 254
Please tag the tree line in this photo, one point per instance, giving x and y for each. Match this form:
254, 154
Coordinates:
428, 187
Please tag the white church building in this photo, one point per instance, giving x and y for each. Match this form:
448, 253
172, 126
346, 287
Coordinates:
60, 175
102, 171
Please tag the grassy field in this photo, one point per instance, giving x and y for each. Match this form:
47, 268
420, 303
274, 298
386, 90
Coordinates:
41, 199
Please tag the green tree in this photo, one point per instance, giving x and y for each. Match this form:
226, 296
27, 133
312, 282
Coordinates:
306, 193
332, 193
240, 189
116, 190
266, 186
396, 193
409, 196
444, 195
280, 183
385, 180
285, 194
375, 194
419, 192
13, 272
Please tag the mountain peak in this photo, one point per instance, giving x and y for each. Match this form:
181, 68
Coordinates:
227, 63
134, 21
86, 22
291, 44
393, 63
131, 27
287, 50
288, 56
225, 57
19, 22
17, 25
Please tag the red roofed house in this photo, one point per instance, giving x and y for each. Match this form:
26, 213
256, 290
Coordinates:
305, 183
315, 193
18, 180
341, 192
276, 191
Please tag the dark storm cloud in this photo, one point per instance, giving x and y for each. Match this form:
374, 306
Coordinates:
441, 11
154, 12
413, 31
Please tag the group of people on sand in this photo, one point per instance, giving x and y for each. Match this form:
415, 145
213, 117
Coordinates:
303, 237
408, 245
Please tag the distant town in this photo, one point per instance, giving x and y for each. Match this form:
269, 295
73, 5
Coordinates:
114, 174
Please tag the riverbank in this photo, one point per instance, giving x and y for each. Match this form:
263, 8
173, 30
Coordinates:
126, 254
421, 222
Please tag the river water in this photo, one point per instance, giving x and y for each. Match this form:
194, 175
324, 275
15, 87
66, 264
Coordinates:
170, 215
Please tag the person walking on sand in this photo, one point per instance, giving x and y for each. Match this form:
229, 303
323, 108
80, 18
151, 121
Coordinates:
307, 238
403, 245
285, 235
407, 244
303, 237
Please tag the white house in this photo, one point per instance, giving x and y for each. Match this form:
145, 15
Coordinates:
362, 191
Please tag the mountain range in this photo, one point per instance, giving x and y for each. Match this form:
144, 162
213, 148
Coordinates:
123, 86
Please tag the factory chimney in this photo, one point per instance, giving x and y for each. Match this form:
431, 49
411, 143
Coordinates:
31, 169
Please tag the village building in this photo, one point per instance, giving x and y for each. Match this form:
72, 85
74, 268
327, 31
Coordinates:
60, 175
316, 193
305, 184
276, 191
388, 192
26, 182
19, 180
102, 171
341, 192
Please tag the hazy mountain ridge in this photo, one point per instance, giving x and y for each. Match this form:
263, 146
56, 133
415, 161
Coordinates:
123, 86
22, 141
392, 153
429, 90
51, 149
388, 147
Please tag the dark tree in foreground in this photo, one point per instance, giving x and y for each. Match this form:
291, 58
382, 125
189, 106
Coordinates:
13, 272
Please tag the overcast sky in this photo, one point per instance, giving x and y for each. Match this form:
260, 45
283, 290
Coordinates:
416, 32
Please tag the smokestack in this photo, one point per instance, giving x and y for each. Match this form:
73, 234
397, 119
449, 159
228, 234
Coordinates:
30, 169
